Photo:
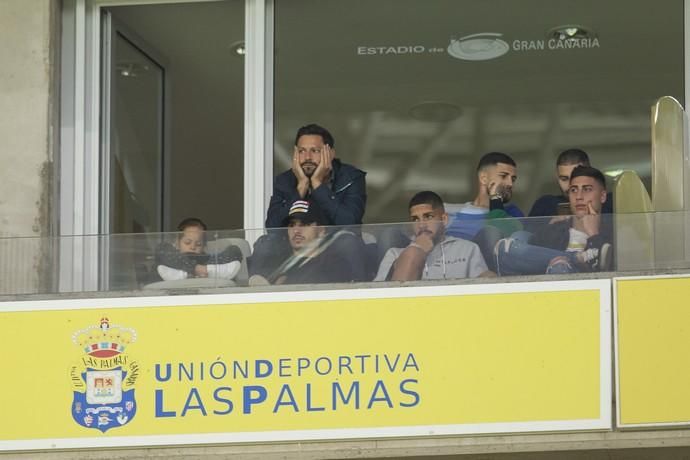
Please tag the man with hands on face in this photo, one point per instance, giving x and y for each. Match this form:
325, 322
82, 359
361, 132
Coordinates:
316, 175
580, 243
431, 254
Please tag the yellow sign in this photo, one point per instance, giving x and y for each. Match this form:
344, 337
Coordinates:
652, 343
321, 365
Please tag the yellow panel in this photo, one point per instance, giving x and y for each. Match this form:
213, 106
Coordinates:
653, 343
419, 361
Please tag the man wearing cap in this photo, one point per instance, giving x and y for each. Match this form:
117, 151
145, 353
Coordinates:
316, 256
431, 254
317, 176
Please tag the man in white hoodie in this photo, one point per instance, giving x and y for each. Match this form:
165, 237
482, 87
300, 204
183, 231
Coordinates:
431, 253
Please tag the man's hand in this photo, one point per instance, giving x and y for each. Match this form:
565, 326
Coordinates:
591, 221
200, 271
496, 189
410, 264
302, 179
424, 242
323, 170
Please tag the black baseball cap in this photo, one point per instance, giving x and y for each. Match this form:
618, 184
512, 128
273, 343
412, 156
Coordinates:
305, 212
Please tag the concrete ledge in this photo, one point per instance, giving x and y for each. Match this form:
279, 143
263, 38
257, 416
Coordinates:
484, 446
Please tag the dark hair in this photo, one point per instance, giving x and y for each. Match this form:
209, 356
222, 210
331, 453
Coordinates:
315, 130
588, 171
427, 197
191, 222
573, 157
494, 158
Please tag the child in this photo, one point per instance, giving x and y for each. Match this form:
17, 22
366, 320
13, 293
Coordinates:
187, 258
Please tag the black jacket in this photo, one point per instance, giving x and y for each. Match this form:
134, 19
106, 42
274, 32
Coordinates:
342, 261
342, 202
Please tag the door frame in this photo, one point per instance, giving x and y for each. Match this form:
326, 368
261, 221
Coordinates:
110, 27
81, 205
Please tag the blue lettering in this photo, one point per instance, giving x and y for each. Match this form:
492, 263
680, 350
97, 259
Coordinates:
410, 362
309, 406
284, 367
409, 392
167, 373
380, 386
227, 402
344, 362
248, 400
302, 364
193, 393
328, 366
159, 406
285, 390
267, 366
362, 359
392, 366
214, 366
183, 370
243, 371
353, 392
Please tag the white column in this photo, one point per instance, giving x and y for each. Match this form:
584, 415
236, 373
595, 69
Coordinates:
258, 112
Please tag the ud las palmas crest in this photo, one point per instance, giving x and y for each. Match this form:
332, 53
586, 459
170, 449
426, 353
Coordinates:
103, 380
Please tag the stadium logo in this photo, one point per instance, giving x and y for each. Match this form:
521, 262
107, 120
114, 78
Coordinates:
103, 380
478, 47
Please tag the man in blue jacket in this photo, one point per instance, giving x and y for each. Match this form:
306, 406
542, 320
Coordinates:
316, 175
336, 188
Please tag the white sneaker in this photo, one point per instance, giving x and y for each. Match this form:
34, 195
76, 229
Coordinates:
588, 256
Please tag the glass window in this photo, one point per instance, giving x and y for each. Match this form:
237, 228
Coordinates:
173, 93
136, 133
416, 91
199, 49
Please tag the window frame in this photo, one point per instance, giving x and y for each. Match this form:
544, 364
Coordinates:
81, 199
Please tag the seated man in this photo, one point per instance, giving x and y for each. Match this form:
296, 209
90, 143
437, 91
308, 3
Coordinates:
553, 205
578, 243
432, 254
315, 255
317, 176
487, 219
496, 175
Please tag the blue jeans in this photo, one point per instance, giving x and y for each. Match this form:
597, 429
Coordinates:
522, 258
